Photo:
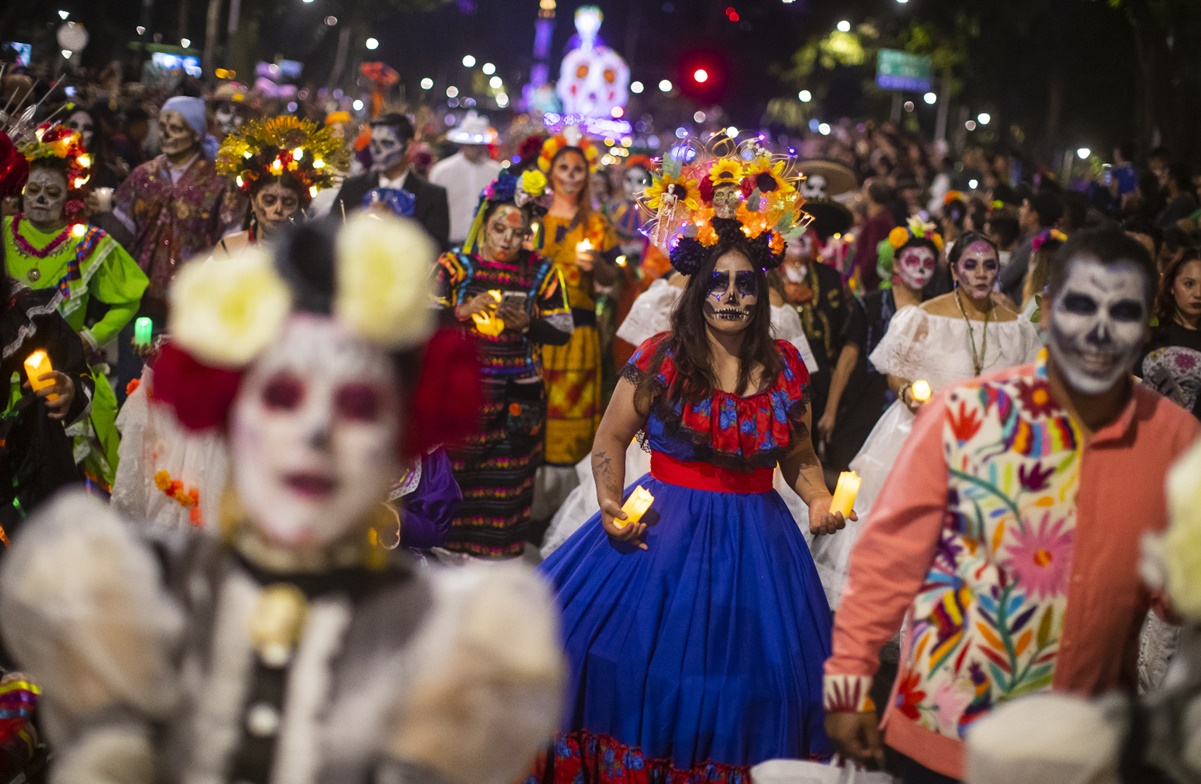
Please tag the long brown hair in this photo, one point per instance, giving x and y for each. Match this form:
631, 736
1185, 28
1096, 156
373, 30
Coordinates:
689, 341
1165, 308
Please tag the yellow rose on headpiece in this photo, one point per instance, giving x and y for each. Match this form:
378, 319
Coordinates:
533, 182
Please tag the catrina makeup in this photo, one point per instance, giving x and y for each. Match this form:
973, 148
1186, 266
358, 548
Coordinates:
915, 266
732, 293
45, 196
1097, 324
505, 233
977, 269
387, 148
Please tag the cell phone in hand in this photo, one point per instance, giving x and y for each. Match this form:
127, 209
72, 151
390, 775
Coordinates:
1107, 173
514, 299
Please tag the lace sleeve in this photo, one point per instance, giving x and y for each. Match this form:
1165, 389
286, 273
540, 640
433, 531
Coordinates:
902, 350
786, 325
650, 314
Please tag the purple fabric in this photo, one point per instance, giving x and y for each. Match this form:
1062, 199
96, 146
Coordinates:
430, 509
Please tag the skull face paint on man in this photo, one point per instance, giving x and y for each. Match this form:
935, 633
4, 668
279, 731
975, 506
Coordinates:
733, 293
45, 197
176, 138
314, 435
1098, 321
387, 147
82, 122
915, 266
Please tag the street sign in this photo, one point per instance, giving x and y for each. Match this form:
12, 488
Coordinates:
896, 70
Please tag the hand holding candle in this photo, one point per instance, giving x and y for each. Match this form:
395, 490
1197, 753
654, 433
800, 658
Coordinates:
584, 251
635, 507
920, 391
844, 493
38, 368
486, 322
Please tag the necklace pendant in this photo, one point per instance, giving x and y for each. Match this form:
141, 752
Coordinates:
34, 275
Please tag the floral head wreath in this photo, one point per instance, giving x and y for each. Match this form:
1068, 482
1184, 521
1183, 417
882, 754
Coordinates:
569, 138
65, 144
915, 229
680, 198
1047, 236
283, 146
528, 190
373, 276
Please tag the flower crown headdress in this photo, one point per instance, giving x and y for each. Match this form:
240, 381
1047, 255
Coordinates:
1047, 236
687, 222
59, 141
915, 228
530, 189
282, 147
570, 138
373, 276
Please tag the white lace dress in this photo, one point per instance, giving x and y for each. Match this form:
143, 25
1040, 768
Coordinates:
917, 345
649, 315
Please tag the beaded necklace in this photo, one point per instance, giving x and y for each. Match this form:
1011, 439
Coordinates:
977, 359
27, 249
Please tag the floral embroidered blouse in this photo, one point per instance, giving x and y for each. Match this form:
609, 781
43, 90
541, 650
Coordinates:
741, 433
1011, 544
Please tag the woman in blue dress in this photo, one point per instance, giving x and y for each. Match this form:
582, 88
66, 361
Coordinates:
696, 636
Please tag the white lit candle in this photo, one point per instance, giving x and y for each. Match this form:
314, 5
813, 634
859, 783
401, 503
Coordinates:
37, 365
845, 492
920, 390
635, 506
583, 246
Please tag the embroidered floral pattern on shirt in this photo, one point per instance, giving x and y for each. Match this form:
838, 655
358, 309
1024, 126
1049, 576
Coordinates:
986, 624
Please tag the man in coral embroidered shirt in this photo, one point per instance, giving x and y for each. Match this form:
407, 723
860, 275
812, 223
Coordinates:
1007, 535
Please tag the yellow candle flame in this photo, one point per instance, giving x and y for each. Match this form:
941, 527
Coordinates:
845, 492
583, 246
37, 365
920, 391
622, 261
635, 506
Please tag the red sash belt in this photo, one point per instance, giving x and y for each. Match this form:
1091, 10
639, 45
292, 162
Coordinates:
703, 476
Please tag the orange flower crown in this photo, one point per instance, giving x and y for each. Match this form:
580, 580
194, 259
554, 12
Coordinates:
59, 141
570, 138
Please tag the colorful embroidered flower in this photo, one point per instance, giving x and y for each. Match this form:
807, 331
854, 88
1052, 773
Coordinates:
1037, 401
514, 409
951, 699
1039, 557
909, 696
966, 423
1036, 477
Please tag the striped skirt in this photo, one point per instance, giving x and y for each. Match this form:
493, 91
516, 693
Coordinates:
495, 469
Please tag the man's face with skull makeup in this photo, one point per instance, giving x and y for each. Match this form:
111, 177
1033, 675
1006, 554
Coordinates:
814, 187
82, 122
387, 147
733, 293
314, 435
1098, 321
45, 197
228, 117
176, 137
634, 182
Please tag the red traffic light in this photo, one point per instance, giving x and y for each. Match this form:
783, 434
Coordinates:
700, 76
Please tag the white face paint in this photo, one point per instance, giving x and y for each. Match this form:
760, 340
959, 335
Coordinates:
176, 137
45, 197
1097, 324
274, 206
387, 148
228, 117
915, 266
568, 173
314, 435
733, 294
635, 181
82, 122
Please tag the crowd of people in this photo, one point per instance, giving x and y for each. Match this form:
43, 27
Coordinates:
312, 370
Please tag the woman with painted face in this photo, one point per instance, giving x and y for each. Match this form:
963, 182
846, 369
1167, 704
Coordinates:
688, 618
581, 244
859, 394
279, 165
941, 341
1171, 363
292, 648
48, 248
511, 302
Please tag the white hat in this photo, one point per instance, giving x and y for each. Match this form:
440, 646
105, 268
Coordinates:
473, 129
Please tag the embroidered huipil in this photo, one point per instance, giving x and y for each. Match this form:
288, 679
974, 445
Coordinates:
1011, 547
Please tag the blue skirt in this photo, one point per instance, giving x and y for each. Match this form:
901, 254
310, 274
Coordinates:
704, 651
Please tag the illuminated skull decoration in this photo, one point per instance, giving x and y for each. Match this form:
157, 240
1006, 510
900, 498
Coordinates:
814, 187
593, 79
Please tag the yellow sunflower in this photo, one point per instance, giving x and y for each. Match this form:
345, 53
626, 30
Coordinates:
686, 190
725, 169
769, 177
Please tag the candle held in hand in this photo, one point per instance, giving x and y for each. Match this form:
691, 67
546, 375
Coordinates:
583, 246
845, 492
920, 391
143, 329
37, 365
635, 506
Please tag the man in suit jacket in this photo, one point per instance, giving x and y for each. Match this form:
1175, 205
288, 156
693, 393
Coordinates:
390, 137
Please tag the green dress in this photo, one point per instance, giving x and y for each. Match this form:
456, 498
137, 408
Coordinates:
82, 267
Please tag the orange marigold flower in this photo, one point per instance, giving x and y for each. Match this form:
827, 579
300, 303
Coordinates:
162, 480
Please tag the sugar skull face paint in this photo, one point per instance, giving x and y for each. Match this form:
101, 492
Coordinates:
82, 122
314, 435
274, 205
176, 137
505, 233
977, 269
733, 293
1098, 321
568, 173
387, 148
635, 181
915, 266
45, 196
